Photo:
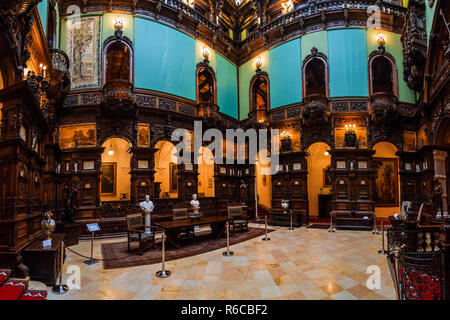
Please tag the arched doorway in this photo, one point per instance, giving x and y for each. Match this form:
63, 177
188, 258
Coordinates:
115, 180
319, 180
259, 96
263, 181
387, 180
205, 173
166, 175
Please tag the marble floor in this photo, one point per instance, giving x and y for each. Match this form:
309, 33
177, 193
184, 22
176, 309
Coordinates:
300, 264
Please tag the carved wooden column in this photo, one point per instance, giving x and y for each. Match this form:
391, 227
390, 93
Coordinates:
440, 158
444, 245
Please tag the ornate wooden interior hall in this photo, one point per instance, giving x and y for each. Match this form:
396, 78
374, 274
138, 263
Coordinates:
95, 93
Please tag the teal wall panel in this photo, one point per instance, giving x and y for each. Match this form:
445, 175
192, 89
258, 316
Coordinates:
42, 9
164, 59
347, 56
285, 74
226, 76
429, 17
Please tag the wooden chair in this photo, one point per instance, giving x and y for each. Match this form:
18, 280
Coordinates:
136, 231
238, 220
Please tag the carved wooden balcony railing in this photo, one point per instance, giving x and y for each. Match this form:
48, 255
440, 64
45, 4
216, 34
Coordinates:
118, 90
395, 7
384, 107
208, 110
315, 109
59, 84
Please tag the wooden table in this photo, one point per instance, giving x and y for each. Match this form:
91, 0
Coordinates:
44, 263
216, 223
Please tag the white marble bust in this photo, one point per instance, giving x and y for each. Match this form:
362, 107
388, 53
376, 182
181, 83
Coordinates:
148, 207
195, 203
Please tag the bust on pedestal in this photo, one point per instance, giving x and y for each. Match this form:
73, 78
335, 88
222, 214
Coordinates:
195, 204
148, 207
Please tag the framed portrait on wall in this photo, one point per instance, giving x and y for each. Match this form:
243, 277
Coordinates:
173, 170
108, 179
143, 135
327, 177
386, 182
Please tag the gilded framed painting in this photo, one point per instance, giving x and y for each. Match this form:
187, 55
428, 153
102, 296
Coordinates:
108, 179
76, 136
386, 182
143, 135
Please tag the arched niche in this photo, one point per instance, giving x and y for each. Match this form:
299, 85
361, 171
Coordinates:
205, 165
206, 85
259, 92
115, 179
117, 60
386, 179
382, 74
315, 75
263, 179
318, 162
166, 169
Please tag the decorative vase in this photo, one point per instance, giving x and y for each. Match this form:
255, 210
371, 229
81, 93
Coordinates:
284, 205
48, 224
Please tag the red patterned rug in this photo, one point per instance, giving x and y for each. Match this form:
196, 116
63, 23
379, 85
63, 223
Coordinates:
115, 254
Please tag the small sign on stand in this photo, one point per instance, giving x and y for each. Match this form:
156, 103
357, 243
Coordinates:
92, 227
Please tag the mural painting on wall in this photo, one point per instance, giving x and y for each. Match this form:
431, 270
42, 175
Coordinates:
386, 193
83, 45
108, 179
409, 141
80, 135
143, 135
361, 138
173, 177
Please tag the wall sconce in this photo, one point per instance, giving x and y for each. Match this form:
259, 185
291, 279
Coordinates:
287, 7
258, 63
205, 53
118, 25
190, 3
381, 40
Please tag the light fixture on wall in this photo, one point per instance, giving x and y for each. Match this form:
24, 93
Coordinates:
258, 63
118, 25
287, 7
205, 53
381, 40
110, 151
190, 3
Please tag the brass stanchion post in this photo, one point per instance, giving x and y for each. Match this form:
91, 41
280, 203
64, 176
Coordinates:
382, 251
163, 273
265, 221
228, 252
291, 227
375, 231
60, 288
330, 229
